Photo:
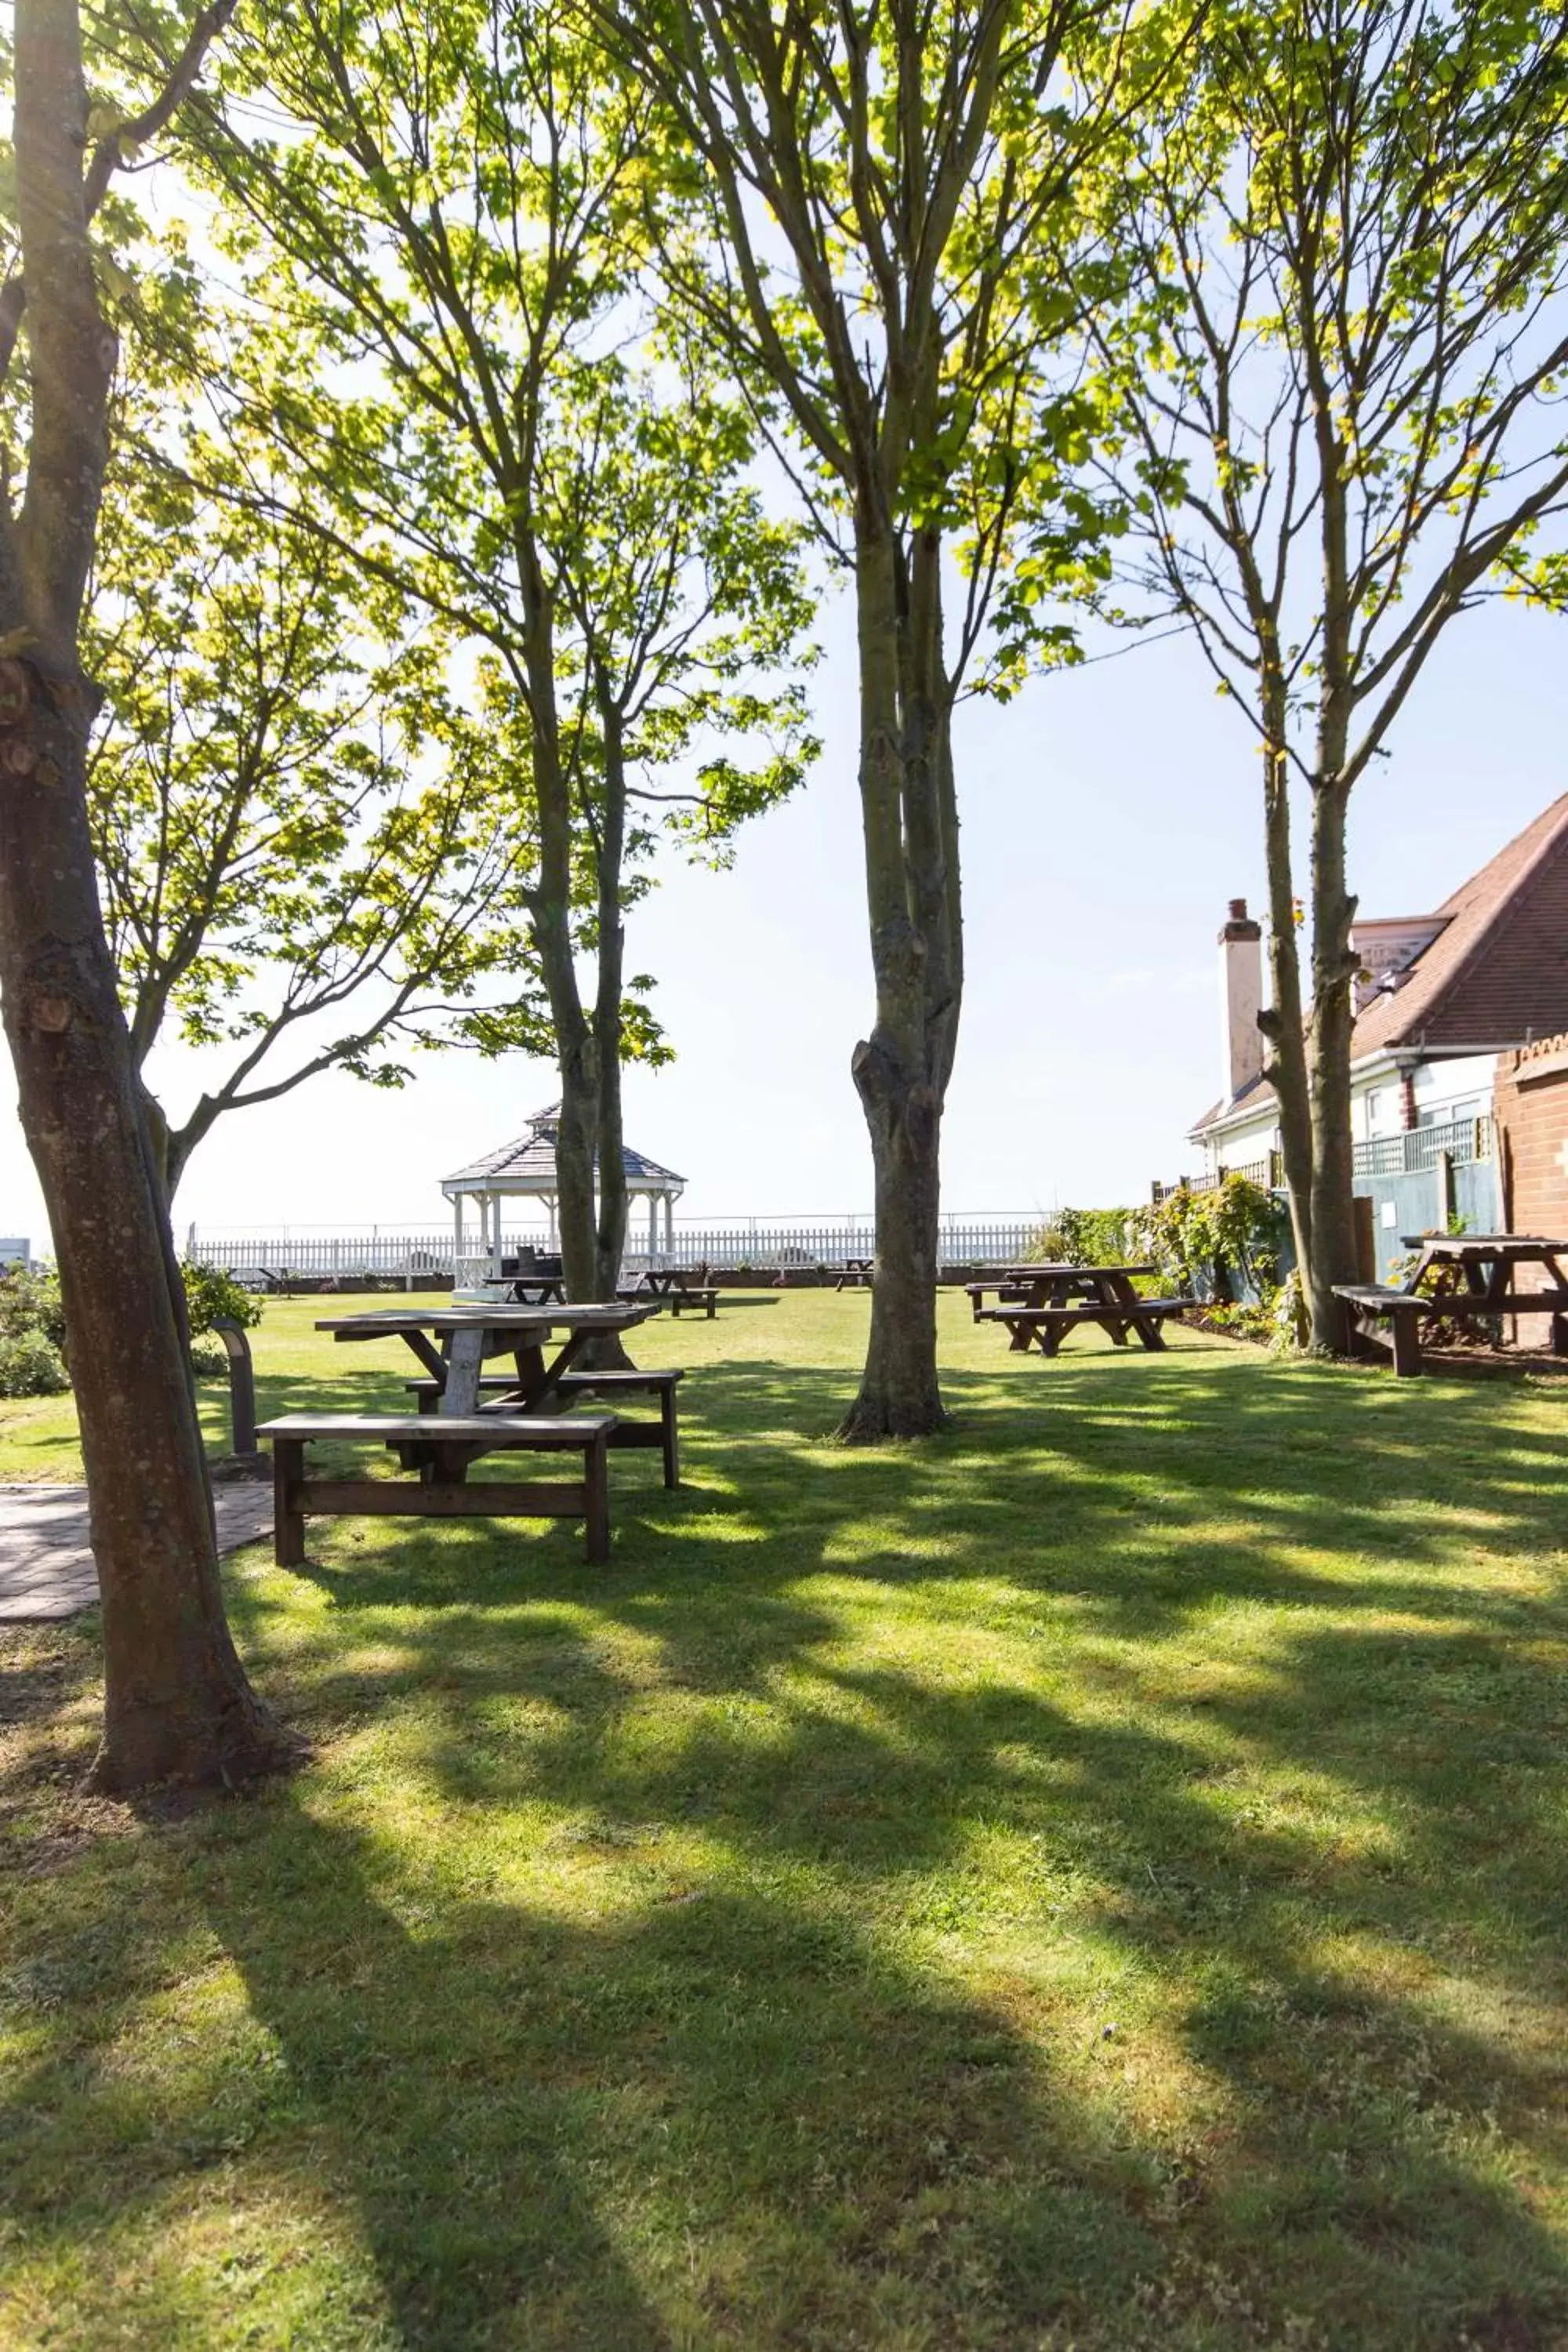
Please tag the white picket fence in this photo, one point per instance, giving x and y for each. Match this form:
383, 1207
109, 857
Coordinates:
757, 1243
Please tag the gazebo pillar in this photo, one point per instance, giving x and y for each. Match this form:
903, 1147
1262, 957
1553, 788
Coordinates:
653, 1225
669, 1223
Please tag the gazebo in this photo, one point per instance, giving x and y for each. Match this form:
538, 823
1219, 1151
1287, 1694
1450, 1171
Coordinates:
525, 1170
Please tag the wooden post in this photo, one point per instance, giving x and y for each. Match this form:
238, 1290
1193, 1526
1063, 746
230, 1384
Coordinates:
1365, 1238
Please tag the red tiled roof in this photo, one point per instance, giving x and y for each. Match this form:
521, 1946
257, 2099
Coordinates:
1497, 973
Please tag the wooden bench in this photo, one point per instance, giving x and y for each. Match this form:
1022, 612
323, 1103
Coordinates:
695, 1294
440, 1450
1047, 1326
1373, 1304
662, 1432
673, 1291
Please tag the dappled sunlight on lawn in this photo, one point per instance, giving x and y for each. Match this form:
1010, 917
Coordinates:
1095, 1878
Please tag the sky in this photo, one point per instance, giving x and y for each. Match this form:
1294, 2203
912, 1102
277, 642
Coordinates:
1109, 813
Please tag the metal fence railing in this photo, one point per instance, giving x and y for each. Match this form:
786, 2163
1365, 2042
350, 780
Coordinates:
760, 1243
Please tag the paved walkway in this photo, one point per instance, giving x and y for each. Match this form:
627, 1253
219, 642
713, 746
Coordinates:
46, 1562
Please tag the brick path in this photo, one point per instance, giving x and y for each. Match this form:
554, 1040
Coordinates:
45, 1563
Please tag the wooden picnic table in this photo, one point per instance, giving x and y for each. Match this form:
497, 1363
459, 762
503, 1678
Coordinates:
536, 1289
1489, 1262
452, 1343
676, 1287
1041, 1304
855, 1274
1483, 1271
1045, 1285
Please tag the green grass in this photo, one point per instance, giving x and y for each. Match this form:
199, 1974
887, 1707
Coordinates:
1094, 1880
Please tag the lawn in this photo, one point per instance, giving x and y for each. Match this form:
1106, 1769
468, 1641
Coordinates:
1099, 1879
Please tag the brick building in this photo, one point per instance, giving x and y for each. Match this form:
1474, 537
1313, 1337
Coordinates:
1459, 1071
1530, 1100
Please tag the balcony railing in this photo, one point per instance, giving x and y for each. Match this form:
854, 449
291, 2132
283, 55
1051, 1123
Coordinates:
1413, 1152
1417, 1150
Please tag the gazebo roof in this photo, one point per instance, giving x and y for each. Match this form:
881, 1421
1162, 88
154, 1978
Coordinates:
528, 1165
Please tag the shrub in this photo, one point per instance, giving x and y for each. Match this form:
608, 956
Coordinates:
1218, 1240
31, 1365
30, 1301
1079, 1237
212, 1295
209, 1359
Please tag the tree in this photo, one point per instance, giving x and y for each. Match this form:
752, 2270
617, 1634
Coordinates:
176, 1699
450, 208
1334, 402
268, 863
855, 203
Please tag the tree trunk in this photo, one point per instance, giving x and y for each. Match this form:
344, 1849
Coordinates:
576, 1148
612, 1222
177, 1703
1283, 1024
901, 1395
1333, 972
901, 1072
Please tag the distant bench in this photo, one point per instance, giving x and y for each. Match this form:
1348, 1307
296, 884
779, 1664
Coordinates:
440, 1450
1382, 1318
661, 1433
674, 1287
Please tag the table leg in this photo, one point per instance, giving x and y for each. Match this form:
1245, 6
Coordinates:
530, 1362
545, 1398
1407, 1346
464, 1364
288, 1519
596, 1498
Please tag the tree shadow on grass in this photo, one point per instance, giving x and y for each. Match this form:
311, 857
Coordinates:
714, 2118
854, 1998
530, 2111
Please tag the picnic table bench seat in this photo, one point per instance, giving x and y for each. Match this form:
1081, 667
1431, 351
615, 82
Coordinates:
440, 1448
662, 1432
1048, 1326
1372, 1304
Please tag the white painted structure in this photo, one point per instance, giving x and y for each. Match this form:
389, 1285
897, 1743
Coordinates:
524, 1170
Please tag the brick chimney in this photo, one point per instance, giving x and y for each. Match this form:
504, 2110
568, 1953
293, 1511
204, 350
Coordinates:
1241, 1000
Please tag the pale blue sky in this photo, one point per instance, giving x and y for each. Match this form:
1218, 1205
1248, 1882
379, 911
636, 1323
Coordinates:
1108, 815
